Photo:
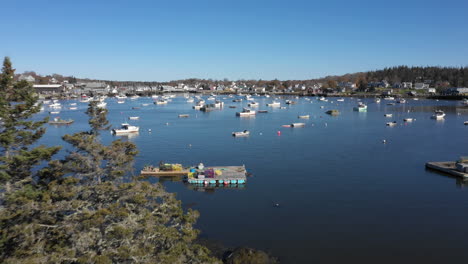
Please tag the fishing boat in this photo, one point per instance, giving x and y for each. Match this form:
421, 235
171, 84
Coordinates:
321, 98
125, 129
340, 100
377, 100
263, 111
183, 115
73, 104
244, 133
253, 104
401, 101
394, 123
438, 115
134, 97
333, 112
54, 112
120, 101
361, 107
232, 106
408, 119
121, 96
246, 112
388, 115
134, 118
59, 121
465, 123
389, 98
73, 108
465, 102
190, 100
55, 105
144, 104
160, 102
298, 125
136, 108
237, 100
101, 105
274, 104
303, 116
290, 102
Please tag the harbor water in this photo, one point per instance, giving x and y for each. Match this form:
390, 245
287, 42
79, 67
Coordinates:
329, 192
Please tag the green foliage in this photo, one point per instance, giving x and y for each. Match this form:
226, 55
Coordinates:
79, 209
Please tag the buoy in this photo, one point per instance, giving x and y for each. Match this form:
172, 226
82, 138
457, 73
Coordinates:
279, 133
149, 129
384, 141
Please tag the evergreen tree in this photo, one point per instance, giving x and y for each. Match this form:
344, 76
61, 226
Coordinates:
18, 103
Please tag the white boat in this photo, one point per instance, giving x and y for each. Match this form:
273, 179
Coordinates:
102, 105
190, 100
274, 104
144, 104
465, 102
160, 102
246, 112
126, 129
401, 101
415, 99
120, 101
408, 119
55, 105
377, 100
244, 133
211, 98
298, 125
340, 100
394, 123
253, 104
134, 117
73, 108
134, 97
122, 96
46, 102
73, 104
438, 115
267, 95
388, 115
155, 96
361, 107
54, 112
389, 98
199, 105
322, 99
465, 123
304, 117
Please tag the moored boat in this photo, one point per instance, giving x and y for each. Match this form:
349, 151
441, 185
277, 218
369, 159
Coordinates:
304, 117
438, 115
361, 107
246, 112
125, 129
244, 133
59, 121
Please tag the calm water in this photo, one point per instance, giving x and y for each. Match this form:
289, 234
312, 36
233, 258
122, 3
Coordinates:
343, 195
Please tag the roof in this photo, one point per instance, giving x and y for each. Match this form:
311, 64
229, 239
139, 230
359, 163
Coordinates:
47, 85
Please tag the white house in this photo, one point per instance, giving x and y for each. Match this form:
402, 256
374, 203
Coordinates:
28, 78
419, 86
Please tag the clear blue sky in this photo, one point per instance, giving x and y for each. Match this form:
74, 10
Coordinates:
288, 39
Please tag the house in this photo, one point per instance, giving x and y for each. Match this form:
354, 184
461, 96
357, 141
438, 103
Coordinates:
420, 86
431, 90
406, 85
28, 78
347, 85
96, 87
48, 88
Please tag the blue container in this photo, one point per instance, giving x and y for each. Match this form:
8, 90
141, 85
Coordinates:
212, 182
233, 181
241, 181
193, 170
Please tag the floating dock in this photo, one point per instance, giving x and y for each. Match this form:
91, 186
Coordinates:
448, 167
228, 175
157, 172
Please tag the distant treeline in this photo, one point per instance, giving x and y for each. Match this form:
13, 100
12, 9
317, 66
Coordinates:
435, 76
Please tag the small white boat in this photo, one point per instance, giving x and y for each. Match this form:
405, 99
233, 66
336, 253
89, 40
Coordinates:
244, 133
246, 112
322, 99
298, 125
274, 104
119, 97
340, 100
125, 129
134, 117
415, 99
465, 123
394, 123
73, 108
190, 100
438, 115
160, 102
54, 112
304, 117
73, 104
465, 102
388, 115
120, 101
102, 105
144, 104
155, 96
211, 98
408, 119
401, 101
134, 97
55, 105
389, 98
253, 104
361, 107
377, 100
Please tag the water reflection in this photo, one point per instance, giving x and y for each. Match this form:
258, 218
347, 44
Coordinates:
211, 188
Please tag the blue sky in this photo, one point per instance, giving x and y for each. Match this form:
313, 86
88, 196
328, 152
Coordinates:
289, 39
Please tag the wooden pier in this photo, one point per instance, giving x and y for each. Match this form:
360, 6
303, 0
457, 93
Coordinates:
448, 167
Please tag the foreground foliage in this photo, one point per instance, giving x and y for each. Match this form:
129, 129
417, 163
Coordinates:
81, 209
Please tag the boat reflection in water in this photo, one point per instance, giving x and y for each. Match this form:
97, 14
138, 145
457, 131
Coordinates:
210, 188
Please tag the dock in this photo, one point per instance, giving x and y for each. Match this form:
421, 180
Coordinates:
449, 167
228, 175
158, 172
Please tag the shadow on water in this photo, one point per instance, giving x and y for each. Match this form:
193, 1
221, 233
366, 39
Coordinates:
459, 182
